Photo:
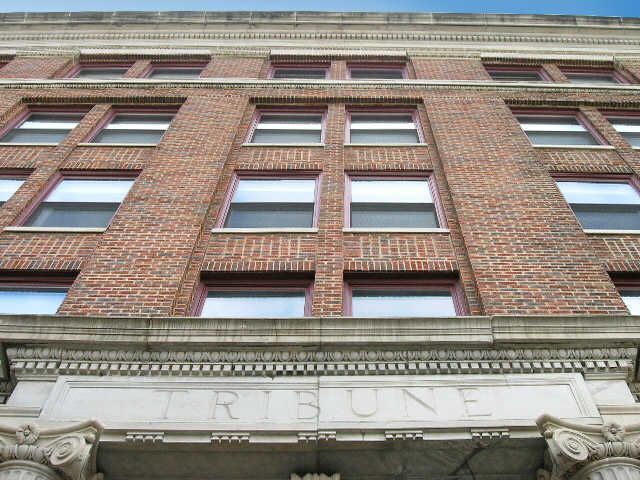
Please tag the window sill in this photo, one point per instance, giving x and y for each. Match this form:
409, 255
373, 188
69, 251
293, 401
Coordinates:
265, 230
585, 147
315, 145
385, 144
394, 230
145, 145
54, 229
27, 144
611, 232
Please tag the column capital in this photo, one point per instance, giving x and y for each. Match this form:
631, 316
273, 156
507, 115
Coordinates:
575, 450
69, 452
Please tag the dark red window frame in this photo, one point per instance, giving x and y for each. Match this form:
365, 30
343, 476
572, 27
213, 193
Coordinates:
403, 67
386, 283
254, 282
618, 76
302, 66
292, 110
61, 175
544, 76
117, 110
382, 110
24, 115
177, 65
38, 280
579, 116
429, 177
75, 70
270, 175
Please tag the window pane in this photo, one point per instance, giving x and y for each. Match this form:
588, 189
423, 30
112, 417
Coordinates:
610, 217
515, 76
299, 73
286, 136
279, 190
416, 303
251, 304
599, 192
401, 215
8, 187
31, 300
100, 191
132, 137
270, 118
629, 128
43, 128
35, 136
632, 300
175, 73
377, 73
561, 138
384, 136
381, 118
102, 73
270, 215
384, 191
79, 215
592, 79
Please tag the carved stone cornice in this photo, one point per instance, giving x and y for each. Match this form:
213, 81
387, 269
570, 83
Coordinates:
577, 450
69, 452
53, 361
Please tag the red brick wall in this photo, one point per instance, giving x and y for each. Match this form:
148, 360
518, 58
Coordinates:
449, 69
35, 67
512, 239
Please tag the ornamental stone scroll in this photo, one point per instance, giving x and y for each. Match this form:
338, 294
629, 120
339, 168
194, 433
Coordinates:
68, 453
589, 452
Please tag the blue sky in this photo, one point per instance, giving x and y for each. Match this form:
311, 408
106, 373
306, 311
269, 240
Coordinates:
625, 8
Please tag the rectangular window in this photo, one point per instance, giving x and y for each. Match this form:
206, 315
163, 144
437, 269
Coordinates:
272, 203
175, 73
516, 74
628, 126
9, 186
299, 72
391, 203
631, 298
586, 77
100, 73
377, 72
603, 205
257, 300
43, 127
30, 297
80, 203
564, 129
287, 127
135, 128
402, 299
383, 128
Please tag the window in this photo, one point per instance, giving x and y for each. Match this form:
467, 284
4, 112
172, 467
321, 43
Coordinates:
586, 77
383, 128
270, 202
278, 299
43, 127
32, 297
377, 72
135, 128
603, 205
561, 129
287, 127
517, 74
299, 72
629, 127
402, 299
631, 298
80, 203
100, 72
175, 73
9, 186
391, 203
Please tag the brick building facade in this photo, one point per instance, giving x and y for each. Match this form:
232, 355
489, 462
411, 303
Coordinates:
472, 310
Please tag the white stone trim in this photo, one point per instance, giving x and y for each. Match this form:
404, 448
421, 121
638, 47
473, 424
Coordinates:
265, 230
581, 147
394, 230
54, 229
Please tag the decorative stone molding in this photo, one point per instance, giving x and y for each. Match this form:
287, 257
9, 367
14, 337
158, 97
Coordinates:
317, 436
144, 437
48, 52
54, 361
404, 435
230, 437
484, 437
68, 452
315, 476
587, 452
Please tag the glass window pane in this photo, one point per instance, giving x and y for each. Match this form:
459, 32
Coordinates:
270, 215
631, 299
78, 215
132, 137
254, 303
592, 79
299, 73
599, 192
561, 138
35, 136
629, 128
102, 73
52, 120
399, 215
381, 118
608, 217
377, 73
278, 190
268, 118
43, 128
8, 187
385, 191
100, 191
384, 136
31, 300
287, 136
150, 122
515, 76
407, 303
632, 138
175, 73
